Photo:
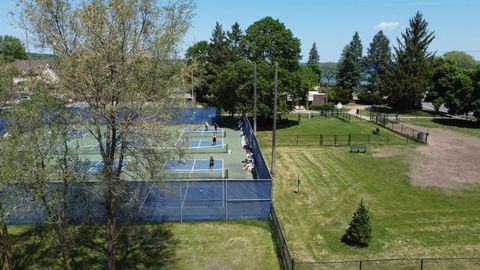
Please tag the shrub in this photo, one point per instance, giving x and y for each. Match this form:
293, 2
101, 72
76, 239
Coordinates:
316, 107
369, 98
359, 233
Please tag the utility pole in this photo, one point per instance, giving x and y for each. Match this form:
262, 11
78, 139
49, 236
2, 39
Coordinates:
255, 98
193, 95
274, 132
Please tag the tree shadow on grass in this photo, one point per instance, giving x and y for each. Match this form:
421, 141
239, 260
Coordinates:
140, 246
349, 242
263, 124
457, 123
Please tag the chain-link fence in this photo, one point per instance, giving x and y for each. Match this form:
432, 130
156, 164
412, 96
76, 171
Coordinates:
387, 264
340, 140
394, 125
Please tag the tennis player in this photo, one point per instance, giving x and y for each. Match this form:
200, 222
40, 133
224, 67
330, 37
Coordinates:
212, 163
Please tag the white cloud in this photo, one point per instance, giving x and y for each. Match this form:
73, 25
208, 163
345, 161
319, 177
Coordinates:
387, 26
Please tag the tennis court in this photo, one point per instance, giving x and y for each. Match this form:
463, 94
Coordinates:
202, 132
205, 146
195, 169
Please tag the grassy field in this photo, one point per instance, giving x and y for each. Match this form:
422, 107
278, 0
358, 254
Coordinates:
458, 125
307, 132
205, 245
407, 221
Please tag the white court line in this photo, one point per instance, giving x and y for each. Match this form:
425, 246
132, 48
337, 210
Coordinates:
185, 196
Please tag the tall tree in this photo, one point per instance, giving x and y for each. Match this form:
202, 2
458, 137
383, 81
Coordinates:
350, 65
377, 61
461, 58
218, 47
329, 70
313, 56
410, 76
198, 66
11, 49
475, 106
313, 65
48, 166
116, 54
7, 197
234, 39
269, 39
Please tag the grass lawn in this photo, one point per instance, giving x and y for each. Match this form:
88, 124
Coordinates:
309, 130
407, 221
458, 125
202, 245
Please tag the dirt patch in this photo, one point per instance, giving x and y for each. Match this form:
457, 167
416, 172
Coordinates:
450, 160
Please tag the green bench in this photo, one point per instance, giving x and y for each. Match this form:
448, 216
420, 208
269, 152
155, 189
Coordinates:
358, 148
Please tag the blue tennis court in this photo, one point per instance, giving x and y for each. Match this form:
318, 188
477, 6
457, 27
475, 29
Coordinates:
194, 169
95, 166
192, 165
204, 143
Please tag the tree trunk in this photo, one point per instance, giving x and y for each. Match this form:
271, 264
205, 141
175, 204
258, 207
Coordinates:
110, 231
5, 248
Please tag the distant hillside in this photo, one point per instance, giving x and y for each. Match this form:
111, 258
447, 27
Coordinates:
42, 56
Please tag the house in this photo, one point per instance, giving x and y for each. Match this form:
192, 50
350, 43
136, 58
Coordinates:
33, 70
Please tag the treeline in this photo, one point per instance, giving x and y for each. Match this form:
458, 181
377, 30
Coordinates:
403, 76
411, 74
223, 67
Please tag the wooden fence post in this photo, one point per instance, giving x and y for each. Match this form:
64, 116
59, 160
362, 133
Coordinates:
335, 140
421, 264
360, 266
321, 139
368, 139
349, 139
297, 140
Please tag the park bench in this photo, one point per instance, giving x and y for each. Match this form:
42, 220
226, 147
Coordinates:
358, 148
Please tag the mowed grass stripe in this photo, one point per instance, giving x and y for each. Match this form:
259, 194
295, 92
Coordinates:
407, 221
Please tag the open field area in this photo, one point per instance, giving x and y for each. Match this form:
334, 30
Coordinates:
408, 221
209, 245
307, 133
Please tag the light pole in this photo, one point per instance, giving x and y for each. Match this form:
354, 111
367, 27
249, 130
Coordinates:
255, 98
274, 131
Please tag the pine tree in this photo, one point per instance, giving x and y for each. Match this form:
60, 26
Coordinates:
234, 38
350, 65
359, 233
313, 57
377, 61
218, 48
410, 77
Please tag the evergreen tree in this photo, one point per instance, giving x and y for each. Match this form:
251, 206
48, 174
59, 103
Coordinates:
313, 57
314, 68
350, 65
410, 77
359, 233
377, 61
218, 48
234, 38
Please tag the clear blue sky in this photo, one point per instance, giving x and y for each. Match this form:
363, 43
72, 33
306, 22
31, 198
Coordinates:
332, 23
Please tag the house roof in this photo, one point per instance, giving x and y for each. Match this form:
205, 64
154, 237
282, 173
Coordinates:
35, 66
